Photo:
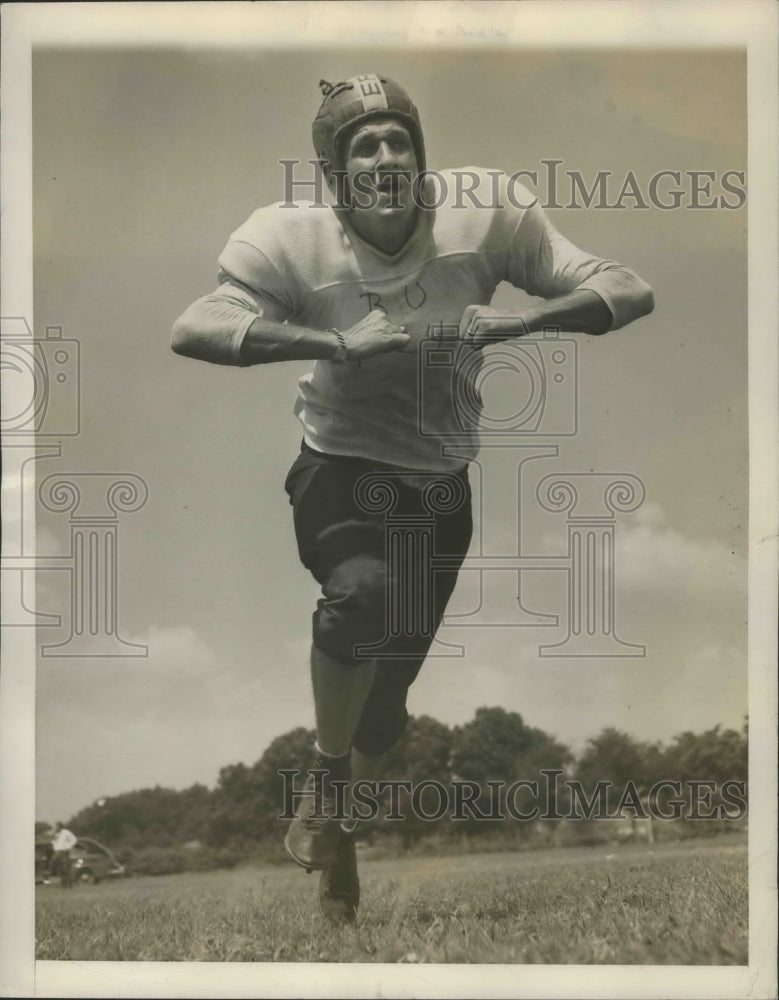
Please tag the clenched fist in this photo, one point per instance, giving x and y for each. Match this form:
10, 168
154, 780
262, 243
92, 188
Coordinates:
483, 325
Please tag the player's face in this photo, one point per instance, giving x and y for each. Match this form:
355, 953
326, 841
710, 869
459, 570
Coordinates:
380, 168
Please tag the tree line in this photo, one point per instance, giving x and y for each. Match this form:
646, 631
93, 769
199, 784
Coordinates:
488, 753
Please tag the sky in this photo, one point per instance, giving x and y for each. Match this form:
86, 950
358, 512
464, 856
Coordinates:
145, 160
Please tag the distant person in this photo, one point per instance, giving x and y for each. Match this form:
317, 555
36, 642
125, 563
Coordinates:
63, 842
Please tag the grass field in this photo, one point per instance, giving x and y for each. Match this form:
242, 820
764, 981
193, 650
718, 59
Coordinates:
682, 903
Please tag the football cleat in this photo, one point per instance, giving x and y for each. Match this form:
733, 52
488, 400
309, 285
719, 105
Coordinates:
339, 885
312, 837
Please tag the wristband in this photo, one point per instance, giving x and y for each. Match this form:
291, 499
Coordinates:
342, 352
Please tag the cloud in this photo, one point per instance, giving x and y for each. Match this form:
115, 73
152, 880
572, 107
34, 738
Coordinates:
683, 598
123, 687
659, 564
176, 647
658, 572
47, 543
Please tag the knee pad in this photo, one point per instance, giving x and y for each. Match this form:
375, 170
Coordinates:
353, 609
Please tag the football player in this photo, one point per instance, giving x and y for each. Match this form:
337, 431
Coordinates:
357, 287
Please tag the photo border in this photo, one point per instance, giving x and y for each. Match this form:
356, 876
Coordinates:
752, 25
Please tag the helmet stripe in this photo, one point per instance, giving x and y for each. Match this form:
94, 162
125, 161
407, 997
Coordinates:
371, 92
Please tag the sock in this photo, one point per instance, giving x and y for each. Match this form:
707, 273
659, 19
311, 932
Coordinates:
338, 768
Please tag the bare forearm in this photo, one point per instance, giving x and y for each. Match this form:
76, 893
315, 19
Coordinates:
266, 341
374, 334
221, 329
577, 312
580, 311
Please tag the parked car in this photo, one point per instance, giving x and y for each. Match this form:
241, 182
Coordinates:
90, 861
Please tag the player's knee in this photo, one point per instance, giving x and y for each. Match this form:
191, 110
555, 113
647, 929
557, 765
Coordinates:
353, 610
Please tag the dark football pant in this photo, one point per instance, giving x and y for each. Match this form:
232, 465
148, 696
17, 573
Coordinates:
343, 539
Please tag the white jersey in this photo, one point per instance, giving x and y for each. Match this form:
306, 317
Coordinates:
307, 265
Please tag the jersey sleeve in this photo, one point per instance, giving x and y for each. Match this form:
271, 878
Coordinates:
258, 257
245, 266
227, 313
543, 262
253, 281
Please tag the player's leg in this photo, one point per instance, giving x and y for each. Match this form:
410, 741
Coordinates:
344, 549
365, 767
381, 725
340, 690
384, 716
351, 613
339, 885
312, 839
